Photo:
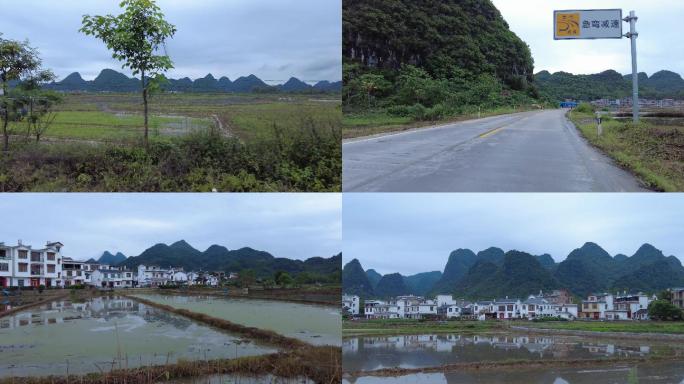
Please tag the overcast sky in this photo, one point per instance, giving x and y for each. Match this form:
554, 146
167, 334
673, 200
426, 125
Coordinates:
411, 233
296, 226
273, 39
660, 44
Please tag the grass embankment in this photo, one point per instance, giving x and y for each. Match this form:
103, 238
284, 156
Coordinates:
675, 328
321, 365
33, 299
377, 122
652, 151
308, 161
415, 327
517, 365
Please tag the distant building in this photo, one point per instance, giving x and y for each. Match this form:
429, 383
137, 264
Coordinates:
678, 297
351, 304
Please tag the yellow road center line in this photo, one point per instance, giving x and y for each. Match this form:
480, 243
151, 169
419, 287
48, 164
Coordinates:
492, 132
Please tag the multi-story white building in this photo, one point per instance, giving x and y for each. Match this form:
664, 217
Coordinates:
152, 276
74, 272
350, 304
376, 309
627, 306
113, 278
24, 266
596, 306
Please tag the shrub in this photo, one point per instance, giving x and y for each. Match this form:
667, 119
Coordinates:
585, 108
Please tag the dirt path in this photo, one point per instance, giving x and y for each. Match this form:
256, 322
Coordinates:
223, 129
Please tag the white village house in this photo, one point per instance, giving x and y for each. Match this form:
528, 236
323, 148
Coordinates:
350, 304
24, 266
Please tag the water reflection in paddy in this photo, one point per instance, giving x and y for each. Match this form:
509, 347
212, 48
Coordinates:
661, 373
315, 324
88, 337
419, 351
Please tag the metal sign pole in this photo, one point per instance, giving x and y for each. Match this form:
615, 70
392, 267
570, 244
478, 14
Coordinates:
632, 19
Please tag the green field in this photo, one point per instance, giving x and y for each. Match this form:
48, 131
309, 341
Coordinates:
118, 117
614, 326
413, 327
653, 150
198, 142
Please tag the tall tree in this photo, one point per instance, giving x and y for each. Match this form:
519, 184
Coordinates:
17, 60
136, 37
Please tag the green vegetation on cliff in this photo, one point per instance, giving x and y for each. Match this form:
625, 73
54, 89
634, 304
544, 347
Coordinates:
431, 60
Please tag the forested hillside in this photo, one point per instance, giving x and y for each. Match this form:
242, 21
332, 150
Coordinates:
492, 273
433, 58
220, 258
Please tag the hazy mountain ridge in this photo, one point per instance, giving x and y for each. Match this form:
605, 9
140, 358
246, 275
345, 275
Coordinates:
220, 258
609, 84
112, 81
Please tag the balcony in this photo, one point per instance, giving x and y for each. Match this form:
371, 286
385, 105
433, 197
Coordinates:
36, 272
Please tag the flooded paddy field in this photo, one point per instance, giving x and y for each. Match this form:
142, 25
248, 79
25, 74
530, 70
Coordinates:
107, 333
661, 373
314, 324
423, 351
232, 379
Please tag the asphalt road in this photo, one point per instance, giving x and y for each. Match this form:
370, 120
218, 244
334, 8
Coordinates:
538, 151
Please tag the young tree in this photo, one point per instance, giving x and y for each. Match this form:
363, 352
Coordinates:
136, 38
17, 60
247, 277
39, 104
284, 279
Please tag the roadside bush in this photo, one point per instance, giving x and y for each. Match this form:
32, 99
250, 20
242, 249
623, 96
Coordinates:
309, 159
400, 110
585, 108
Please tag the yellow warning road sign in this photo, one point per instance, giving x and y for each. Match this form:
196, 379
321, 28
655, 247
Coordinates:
587, 24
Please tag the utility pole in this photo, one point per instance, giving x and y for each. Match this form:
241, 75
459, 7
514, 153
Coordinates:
632, 35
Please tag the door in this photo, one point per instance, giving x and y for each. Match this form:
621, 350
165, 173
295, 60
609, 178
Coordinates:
35, 283
3, 282
48, 282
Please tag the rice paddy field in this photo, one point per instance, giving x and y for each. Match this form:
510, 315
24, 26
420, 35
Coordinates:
197, 143
119, 117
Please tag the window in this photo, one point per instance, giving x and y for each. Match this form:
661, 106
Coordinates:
23, 254
3, 253
51, 256
35, 256
51, 268
20, 282
23, 267
4, 267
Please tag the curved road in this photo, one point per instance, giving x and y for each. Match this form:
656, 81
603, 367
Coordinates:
538, 151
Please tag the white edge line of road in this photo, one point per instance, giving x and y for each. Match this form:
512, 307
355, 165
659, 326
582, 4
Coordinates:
423, 129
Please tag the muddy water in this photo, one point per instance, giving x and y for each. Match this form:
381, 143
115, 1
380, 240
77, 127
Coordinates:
230, 379
663, 373
91, 336
319, 325
421, 351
